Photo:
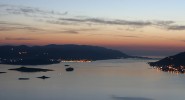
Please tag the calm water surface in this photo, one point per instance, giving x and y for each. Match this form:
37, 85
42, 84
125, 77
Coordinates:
129, 79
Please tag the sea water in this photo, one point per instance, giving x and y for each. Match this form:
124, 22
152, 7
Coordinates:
121, 79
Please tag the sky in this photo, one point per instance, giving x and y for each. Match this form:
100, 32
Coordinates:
135, 27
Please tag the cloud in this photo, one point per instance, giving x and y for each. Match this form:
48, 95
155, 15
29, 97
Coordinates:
12, 28
118, 21
77, 31
176, 27
170, 25
134, 24
28, 11
20, 39
69, 31
8, 26
131, 36
163, 23
32, 29
130, 98
58, 22
117, 36
130, 29
8, 23
127, 36
183, 40
110, 22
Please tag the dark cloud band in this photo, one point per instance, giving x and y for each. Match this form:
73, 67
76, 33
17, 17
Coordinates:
20, 39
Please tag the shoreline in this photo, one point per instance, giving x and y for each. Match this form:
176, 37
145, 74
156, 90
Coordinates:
73, 61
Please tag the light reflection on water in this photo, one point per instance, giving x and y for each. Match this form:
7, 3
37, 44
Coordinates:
100, 80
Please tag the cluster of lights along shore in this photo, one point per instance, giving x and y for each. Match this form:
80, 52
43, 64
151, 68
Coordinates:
171, 68
52, 60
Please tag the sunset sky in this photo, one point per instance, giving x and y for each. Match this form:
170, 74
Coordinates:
136, 27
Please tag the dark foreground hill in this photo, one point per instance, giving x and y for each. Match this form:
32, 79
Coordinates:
49, 54
172, 63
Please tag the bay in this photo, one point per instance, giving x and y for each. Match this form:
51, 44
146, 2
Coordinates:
120, 79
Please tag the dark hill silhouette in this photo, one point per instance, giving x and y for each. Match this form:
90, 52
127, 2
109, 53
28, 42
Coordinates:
172, 63
49, 54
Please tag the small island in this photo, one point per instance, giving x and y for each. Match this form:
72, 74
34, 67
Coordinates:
174, 63
69, 69
25, 69
2, 72
23, 78
43, 77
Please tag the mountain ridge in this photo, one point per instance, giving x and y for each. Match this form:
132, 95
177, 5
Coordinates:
49, 54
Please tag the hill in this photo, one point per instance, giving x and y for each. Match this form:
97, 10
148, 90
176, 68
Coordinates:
172, 63
49, 54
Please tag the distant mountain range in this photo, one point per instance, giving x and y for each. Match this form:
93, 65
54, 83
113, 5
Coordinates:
49, 54
173, 63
